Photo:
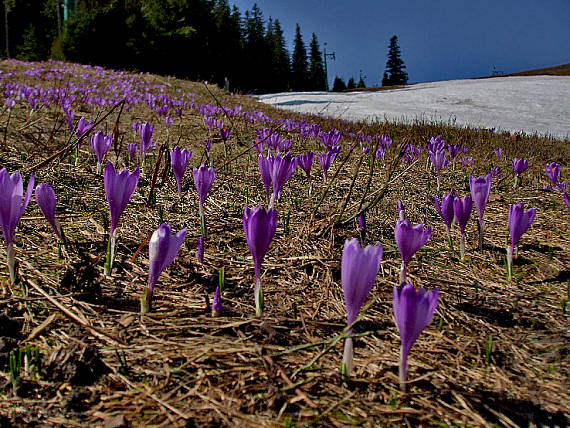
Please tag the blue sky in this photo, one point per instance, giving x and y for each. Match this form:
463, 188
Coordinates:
439, 39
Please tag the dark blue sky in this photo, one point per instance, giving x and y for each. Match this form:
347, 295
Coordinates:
439, 39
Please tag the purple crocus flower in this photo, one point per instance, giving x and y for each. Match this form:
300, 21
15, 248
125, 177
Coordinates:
480, 190
454, 150
217, 307
413, 311
168, 122
401, 210
265, 171
462, 211
132, 150
13, 203
409, 240
519, 166
179, 159
496, 172
498, 152
82, 127
436, 144
147, 143
445, 210
553, 172
259, 227
119, 188
519, 221
101, 144
45, 198
567, 199
162, 250
306, 161
326, 159
439, 161
358, 270
281, 169
284, 145
208, 146
203, 180
225, 133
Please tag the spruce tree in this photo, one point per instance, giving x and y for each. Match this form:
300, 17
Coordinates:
280, 60
317, 78
300, 65
361, 83
395, 73
338, 84
351, 83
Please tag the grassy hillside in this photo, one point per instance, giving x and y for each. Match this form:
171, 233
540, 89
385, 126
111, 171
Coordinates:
495, 353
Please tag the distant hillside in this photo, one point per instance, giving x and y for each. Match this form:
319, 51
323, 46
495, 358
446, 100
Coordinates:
558, 70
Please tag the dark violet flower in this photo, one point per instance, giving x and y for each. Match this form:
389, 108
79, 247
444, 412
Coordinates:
519, 166
217, 307
362, 224
179, 159
519, 221
358, 270
498, 152
259, 227
462, 210
200, 250
132, 150
281, 169
207, 145
101, 144
284, 145
82, 127
203, 181
306, 161
553, 172
326, 160
409, 240
567, 199
496, 172
45, 198
162, 250
225, 133
436, 144
454, 150
445, 210
147, 143
119, 188
480, 190
13, 203
467, 161
265, 171
413, 310
273, 141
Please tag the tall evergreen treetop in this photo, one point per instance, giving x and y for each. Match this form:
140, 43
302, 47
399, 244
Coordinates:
395, 73
317, 76
300, 65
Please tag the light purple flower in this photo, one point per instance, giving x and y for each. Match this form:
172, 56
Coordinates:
168, 122
207, 145
409, 240
519, 165
306, 161
413, 311
163, 249
179, 159
82, 127
147, 143
259, 227
119, 188
225, 133
203, 180
281, 169
445, 210
326, 159
132, 150
498, 152
519, 221
45, 198
480, 190
401, 210
567, 199
439, 161
496, 172
358, 271
101, 144
462, 210
553, 172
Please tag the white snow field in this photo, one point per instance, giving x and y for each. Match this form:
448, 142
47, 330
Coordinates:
529, 104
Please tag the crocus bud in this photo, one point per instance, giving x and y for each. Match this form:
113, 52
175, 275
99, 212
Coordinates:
179, 159
45, 198
200, 251
553, 172
409, 240
519, 221
217, 307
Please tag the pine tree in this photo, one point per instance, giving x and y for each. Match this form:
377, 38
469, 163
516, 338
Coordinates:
394, 74
299, 66
351, 83
281, 62
338, 84
361, 83
317, 78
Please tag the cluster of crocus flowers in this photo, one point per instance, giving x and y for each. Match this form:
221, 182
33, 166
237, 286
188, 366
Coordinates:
413, 310
519, 221
162, 250
480, 190
553, 172
179, 159
462, 208
13, 203
326, 159
203, 181
409, 238
259, 226
519, 166
281, 168
445, 211
358, 270
119, 188
100, 143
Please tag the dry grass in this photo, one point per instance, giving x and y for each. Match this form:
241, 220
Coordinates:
179, 366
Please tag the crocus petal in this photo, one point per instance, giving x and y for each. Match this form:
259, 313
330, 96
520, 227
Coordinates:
480, 190
519, 221
410, 238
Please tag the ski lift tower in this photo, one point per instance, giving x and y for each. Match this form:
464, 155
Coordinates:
333, 58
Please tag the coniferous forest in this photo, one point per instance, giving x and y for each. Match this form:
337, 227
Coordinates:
191, 39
